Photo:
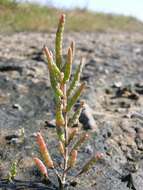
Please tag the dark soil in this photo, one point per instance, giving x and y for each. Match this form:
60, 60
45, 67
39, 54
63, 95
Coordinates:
114, 75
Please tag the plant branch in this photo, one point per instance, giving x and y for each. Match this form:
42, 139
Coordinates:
66, 137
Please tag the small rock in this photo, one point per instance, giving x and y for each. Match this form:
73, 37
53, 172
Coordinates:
136, 115
15, 141
10, 137
106, 71
127, 92
117, 84
87, 119
33, 135
50, 124
133, 96
17, 106
137, 51
73, 183
89, 149
139, 84
16, 138
120, 110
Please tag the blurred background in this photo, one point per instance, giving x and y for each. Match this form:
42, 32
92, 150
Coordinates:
83, 15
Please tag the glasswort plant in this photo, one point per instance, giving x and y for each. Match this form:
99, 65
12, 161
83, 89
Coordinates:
66, 94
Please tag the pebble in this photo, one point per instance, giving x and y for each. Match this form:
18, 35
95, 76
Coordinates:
17, 106
88, 149
137, 50
136, 115
117, 84
87, 119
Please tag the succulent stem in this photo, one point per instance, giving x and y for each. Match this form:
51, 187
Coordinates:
66, 137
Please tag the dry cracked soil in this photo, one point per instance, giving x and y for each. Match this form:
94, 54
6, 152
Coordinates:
114, 96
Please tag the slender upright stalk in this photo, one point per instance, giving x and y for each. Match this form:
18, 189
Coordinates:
66, 136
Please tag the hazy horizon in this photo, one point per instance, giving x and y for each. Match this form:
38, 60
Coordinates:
125, 7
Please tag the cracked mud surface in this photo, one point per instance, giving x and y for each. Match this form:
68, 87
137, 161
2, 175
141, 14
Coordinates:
114, 75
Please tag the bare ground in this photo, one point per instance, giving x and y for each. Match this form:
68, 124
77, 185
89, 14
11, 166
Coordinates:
114, 75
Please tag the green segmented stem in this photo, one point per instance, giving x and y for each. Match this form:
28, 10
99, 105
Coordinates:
68, 66
75, 97
75, 118
59, 40
76, 79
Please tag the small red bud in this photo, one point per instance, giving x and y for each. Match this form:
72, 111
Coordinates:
48, 53
99, 155
62, 18
41, 166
